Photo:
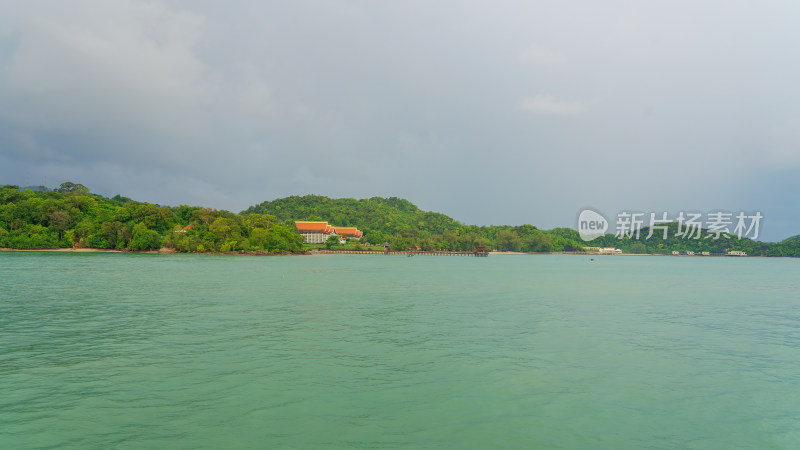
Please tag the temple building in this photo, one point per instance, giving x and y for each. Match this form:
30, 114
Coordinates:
315, 232
349, 232
319, 232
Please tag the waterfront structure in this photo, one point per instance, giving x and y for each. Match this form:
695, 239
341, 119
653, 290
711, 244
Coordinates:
736, 253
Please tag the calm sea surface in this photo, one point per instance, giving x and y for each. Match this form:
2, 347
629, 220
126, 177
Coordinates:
105, 351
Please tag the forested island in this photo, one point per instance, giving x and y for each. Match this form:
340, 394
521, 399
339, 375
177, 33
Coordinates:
73, 217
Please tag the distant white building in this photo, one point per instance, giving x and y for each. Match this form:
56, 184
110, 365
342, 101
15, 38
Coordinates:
736, 253
603, 250
675, 252
690, 253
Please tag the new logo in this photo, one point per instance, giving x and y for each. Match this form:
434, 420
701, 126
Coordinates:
591, 225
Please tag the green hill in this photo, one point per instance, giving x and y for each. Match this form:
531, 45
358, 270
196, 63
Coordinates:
71, 216
792, 240
403, 224
375, 216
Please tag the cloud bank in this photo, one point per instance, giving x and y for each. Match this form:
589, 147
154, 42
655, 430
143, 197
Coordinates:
514, 112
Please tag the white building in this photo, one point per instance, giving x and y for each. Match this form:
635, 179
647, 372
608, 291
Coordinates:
603, 250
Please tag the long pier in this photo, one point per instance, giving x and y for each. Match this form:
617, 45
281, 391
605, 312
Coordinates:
409, 252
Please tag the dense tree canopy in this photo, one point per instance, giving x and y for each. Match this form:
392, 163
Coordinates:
71, 216
403, 225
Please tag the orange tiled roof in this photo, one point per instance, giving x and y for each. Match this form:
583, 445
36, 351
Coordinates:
313, 227
349, 231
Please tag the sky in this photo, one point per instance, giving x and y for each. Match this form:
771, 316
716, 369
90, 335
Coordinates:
502, 112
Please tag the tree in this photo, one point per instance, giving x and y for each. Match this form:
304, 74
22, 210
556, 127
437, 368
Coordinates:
258, 237
638, 247
449, 240
508, 241
283, 239
59, 221
258, 220
120, 199
399, 243
69, 187
115, 234
538, 242
222, 226
332, 242
144, 238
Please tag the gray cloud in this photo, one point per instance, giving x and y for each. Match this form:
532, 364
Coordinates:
508, 112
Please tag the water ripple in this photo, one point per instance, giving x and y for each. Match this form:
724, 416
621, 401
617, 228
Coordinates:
114, 350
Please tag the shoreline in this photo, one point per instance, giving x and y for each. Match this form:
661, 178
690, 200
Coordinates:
71, 250
169, 251
162, 251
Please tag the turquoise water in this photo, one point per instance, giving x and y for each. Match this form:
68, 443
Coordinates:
343, 351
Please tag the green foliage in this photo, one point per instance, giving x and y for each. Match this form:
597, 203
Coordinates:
376, 217
72, 188
540, 242
283, 239
332, 242
73, 216
144, 238
404, 225
792, 240
508, 241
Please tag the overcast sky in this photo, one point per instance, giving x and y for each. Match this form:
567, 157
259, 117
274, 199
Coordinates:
491, 112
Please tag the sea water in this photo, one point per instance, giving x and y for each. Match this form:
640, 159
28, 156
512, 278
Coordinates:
105, 351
